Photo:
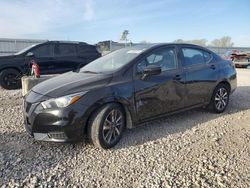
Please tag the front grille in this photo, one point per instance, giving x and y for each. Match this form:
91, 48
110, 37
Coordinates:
57, 135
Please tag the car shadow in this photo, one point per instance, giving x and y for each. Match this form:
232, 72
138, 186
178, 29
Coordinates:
181, 122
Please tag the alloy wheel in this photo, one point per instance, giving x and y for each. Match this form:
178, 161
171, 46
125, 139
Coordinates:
113, 126
221, 99
10, 79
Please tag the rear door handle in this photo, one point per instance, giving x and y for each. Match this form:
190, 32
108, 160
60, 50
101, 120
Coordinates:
213, 67
177, 77
51, 66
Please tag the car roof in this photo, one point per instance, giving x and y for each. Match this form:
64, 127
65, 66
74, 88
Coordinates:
153, 45
68, 42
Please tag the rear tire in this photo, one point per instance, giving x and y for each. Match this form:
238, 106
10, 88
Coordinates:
220, 99
10, 79
107, 125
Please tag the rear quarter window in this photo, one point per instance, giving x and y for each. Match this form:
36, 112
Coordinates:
87, 49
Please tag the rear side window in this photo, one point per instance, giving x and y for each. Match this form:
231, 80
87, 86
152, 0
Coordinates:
194, 56
43, 51
65, 50
86, 49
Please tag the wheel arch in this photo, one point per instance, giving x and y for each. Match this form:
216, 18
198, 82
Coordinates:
11, 67
211, 105
226, 83
122, 102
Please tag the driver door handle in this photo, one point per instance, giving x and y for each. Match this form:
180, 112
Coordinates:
213, 67
177, 77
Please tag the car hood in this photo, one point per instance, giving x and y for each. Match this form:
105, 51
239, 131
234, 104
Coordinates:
7, 57
70, 83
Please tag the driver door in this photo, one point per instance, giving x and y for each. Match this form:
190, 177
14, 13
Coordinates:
43, 54
163, 93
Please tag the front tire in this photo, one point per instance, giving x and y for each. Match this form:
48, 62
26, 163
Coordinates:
107, 125
220, 99
10, 79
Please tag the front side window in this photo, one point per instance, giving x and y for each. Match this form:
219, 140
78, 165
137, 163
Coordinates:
65, 50
43, 51
195, 56
164, 57
25, 49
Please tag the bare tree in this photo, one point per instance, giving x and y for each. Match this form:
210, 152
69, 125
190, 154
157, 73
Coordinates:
222, 42
201, 42
179, 41
216, 42
144, 42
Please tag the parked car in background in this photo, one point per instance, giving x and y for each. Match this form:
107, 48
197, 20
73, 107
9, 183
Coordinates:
228, 54
241, 59
53, 57
125, 88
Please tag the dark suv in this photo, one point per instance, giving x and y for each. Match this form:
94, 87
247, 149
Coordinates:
53, 57
125, 88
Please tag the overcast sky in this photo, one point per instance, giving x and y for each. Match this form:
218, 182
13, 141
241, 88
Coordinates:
151, 20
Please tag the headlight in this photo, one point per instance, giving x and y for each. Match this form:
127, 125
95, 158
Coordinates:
62, 102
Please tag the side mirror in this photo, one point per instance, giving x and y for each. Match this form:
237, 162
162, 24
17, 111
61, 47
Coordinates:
151, 70
78, 67
30, 54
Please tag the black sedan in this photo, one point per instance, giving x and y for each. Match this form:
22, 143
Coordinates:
126, 88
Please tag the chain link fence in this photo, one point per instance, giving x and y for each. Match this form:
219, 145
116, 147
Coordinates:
11, 46
108, 46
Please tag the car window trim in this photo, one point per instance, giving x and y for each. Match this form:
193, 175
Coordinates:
199, 64
161, 47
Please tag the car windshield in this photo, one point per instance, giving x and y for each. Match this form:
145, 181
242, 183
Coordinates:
112, 61
25, 49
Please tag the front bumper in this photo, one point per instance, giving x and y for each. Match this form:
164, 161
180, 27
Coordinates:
58, 125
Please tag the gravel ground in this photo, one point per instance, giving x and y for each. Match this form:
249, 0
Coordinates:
191, 149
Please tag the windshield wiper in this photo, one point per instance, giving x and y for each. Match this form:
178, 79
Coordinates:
92, 72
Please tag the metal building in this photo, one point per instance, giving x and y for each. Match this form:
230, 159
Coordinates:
11, 46
109, 45
223, 50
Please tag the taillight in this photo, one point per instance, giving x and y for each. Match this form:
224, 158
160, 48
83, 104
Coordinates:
98, 48
232, 64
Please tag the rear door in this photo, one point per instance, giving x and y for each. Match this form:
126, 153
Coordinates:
159, 94
65, 57
201, 73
